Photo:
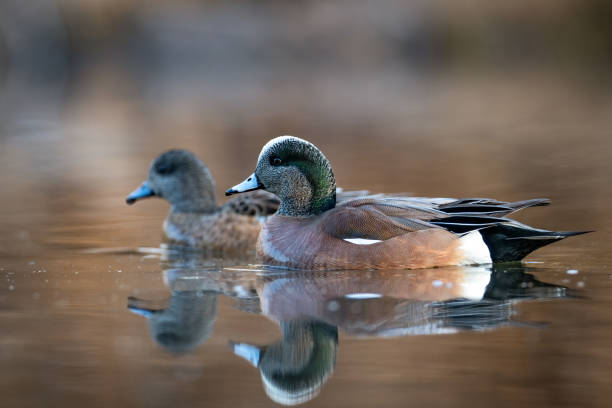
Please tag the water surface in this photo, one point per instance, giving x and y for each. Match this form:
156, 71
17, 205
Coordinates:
85, 322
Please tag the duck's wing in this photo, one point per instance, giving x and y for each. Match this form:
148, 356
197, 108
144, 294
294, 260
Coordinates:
459, 216
383, 218
377, 220
258, 203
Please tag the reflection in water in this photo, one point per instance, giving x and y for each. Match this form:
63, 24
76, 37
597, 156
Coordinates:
394, 303
189, 318
310, 308
294, 369
195, 281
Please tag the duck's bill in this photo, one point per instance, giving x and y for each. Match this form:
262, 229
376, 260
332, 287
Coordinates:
250, 184
142, 312
141, 192
249, 352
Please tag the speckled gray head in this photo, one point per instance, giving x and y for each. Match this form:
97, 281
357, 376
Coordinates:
297, 172
181, 178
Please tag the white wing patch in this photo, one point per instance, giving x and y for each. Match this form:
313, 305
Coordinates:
362, 241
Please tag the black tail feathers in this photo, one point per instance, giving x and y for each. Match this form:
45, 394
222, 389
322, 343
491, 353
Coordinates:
513, 241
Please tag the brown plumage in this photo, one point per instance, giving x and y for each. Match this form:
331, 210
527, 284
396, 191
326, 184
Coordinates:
222, 230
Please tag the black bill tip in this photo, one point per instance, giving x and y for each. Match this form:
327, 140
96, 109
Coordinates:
143, 191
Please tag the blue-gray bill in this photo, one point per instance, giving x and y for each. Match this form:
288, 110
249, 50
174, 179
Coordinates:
250, 184
141, 192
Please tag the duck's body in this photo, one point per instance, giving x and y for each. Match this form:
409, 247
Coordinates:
312, 231
223, 229
195, 220
300, 243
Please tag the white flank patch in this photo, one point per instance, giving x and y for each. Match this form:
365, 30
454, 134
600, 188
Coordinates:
572, 272
475, 251
475, 282
361, 241
363, 296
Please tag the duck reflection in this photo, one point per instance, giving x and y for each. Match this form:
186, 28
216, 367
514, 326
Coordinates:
188, 319
294, 369
195, 279
311, 307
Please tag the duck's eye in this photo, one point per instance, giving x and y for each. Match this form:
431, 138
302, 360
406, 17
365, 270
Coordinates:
165, 168
275, 161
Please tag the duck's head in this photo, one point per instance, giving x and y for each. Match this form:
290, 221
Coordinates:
181, 178
186, 323
294, 369
297, 172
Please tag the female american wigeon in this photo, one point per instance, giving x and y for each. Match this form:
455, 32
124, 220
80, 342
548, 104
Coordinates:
312, 231
195, 219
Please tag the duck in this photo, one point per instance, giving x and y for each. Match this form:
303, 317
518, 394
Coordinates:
312, 231
195, 220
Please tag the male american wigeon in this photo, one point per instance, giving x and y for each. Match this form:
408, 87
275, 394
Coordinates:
195, 219
312, 231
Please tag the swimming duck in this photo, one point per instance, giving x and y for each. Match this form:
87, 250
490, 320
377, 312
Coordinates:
195, 219
312, 231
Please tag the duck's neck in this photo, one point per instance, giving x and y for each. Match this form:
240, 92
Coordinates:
317, 195
196, 196
195, 205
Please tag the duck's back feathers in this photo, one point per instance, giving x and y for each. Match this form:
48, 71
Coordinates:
395, 207
258, 203
368, 222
